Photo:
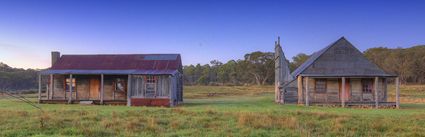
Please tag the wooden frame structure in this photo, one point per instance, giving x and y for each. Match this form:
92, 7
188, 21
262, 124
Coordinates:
99, 84
344, 68
306, 92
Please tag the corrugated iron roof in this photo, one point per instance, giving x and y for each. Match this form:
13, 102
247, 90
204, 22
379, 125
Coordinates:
340, 58
126, 63
111, 72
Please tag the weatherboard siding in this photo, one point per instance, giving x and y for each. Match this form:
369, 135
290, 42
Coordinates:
332, 93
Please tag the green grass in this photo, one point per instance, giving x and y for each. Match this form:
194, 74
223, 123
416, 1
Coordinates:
214, 111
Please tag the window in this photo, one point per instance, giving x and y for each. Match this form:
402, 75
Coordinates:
367, 85
68, 83
150, 86
320, 85
119, 85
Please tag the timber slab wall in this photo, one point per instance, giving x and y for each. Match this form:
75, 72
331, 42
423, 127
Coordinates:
357, 104
96, 102
150, 102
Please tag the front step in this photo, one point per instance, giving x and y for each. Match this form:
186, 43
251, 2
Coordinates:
86, 102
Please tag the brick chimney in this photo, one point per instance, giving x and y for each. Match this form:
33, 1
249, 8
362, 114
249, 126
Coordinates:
55, 56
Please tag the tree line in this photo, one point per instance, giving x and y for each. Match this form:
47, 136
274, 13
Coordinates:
256, 68
407, 63
14, 79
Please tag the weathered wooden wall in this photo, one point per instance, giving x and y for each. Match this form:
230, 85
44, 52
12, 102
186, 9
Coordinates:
83, 88
333, 92
150, 102
163, 86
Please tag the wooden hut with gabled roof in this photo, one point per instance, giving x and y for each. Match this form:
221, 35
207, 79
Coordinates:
132, 79
338, 74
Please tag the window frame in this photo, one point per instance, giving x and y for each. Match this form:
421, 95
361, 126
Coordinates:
73, 82
370, 86
123, 82
325, 86
150, 80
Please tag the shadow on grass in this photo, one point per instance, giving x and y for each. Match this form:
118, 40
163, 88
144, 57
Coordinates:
412, 106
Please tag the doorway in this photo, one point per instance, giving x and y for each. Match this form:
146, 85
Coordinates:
94, 89
347, 89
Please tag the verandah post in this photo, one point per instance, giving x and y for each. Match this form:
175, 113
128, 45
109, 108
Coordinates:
50, 93
39, 88
300, 89
70, 89
101, 88
376, 92
129, 90
343, 92
306, 92
397, 93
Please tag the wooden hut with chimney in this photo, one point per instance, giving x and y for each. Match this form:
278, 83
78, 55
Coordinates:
131, 79
338, 74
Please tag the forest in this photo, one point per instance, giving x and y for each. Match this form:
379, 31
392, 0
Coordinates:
256, 68
17, 79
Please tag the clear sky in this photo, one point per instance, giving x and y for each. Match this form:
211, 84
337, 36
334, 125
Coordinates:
200, 30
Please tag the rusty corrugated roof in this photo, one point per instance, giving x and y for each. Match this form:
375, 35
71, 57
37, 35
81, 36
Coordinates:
119, 62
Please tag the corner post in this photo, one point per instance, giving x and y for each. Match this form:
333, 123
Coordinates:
50, 93
397, 93
343, 92
376, 92
101, 88
129, 91
306, 92
39, 88
70, 89
300, 89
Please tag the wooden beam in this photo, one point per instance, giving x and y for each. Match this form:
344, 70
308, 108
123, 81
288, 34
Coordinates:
376, 92
397, 92
129, 91
306, 92
50, 93
101, 88
39, 88
343, 92
70, 89
300, 89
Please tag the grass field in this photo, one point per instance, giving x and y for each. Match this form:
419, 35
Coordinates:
216, 111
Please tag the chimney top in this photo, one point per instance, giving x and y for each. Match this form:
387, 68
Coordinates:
55, 56
278, 40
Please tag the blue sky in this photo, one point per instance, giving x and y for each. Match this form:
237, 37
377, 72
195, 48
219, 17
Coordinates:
200, 30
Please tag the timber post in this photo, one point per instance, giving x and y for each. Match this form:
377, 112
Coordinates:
70, 89
397, 93
50, 93
300, 89
39, 88
101, 88
306, 92
343, 92
129, 90
376, 92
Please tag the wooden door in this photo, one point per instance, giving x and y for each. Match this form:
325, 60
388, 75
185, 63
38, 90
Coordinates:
347, 89
94, 89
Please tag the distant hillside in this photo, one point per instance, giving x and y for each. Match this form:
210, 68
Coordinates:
14, 79
408, 63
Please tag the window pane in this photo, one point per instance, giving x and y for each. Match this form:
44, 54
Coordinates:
150, 86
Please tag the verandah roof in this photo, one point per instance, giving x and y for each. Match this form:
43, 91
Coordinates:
115, 72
